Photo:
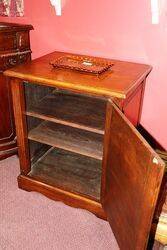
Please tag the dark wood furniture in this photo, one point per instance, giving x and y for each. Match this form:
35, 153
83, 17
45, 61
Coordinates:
161, 229
14, 49
78, 143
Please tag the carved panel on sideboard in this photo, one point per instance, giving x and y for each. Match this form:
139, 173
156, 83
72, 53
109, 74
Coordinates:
14, 50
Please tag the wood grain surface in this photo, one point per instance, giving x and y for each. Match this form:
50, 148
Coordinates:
58, 194
132, 176
119, 81
71, 139
11, 54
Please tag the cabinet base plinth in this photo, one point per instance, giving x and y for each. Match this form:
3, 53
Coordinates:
57, 194
8, 149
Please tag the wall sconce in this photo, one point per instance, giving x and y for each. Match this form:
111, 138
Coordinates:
155, 11
57, 5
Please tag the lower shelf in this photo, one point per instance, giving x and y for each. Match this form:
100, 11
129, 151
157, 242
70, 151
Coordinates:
69, 171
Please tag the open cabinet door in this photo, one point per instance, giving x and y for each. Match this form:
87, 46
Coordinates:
131, 179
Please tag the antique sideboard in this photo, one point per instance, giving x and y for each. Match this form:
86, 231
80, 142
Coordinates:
78, 142
14, 50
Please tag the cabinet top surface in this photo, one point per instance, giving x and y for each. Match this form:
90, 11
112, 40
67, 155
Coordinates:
119, 81
9, 27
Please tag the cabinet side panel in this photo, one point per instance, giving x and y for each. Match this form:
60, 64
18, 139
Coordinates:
133, 106
21, 128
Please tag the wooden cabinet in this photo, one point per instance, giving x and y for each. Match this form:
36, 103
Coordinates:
78, 143
14, 49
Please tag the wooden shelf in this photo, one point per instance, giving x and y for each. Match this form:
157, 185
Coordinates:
74, 110
72, 139
69, 171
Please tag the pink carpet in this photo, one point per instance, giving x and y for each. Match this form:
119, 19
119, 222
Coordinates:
31, 221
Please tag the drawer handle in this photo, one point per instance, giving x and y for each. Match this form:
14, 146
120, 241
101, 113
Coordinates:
12, 61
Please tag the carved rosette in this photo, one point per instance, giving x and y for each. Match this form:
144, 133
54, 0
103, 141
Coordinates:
11, 59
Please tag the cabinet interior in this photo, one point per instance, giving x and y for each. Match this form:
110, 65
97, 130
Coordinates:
65, 133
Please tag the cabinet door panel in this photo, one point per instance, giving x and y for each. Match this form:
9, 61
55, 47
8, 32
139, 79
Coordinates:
132, 175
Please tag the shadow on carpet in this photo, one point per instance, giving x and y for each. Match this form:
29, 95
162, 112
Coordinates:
30, 221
